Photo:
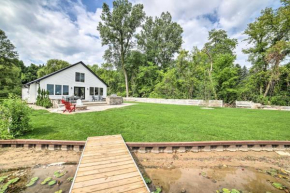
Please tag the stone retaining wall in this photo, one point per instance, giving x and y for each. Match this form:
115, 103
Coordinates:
167, 101
215, 103
166, 147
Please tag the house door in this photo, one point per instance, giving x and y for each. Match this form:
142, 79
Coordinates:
79, 92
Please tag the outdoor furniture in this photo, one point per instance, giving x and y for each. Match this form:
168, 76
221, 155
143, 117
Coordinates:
114, 100
68, 106
80, 106
60, 107
72, 99
95, 98
79, 102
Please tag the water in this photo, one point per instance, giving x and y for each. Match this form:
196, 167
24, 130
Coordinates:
211, 179
42, 172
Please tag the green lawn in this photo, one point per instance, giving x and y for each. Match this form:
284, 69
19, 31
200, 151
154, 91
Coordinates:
156, 122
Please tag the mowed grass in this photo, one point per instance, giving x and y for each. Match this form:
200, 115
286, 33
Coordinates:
157, 123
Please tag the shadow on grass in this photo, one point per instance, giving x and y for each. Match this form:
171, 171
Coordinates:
43, 130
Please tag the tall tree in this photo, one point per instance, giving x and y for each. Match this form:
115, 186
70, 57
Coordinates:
117, 30
160, 39
263, 35
133, 63
51, 66
218, 48
274, 56
10, 73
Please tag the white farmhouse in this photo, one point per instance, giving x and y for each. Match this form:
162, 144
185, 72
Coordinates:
75, 80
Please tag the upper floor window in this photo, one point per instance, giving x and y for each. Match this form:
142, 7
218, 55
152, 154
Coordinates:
80, 77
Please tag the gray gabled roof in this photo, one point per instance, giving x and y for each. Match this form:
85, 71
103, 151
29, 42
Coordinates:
51, 74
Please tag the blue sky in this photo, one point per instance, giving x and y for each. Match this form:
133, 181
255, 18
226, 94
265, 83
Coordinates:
45, 29
92, 5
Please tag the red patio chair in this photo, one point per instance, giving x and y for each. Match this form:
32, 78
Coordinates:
69, 107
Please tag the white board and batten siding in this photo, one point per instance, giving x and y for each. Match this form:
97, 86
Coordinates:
67, 77
29, 94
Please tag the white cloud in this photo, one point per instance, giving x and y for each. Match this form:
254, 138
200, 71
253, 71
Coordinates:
236, 14
42, 30
194, 16
195, 32
185, 9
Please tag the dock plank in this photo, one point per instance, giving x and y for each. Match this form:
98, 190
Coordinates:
106, 165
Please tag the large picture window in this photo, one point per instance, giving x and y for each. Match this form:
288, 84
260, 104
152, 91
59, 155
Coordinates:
50, 89
91, 90
58, 89
80, 77
65, 90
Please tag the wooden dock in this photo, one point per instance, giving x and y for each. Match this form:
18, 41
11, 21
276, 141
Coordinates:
106, 165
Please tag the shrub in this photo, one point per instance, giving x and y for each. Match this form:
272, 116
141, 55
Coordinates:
42, 98
14, 117
280, 100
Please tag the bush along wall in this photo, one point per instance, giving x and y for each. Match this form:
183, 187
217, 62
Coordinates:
43, 98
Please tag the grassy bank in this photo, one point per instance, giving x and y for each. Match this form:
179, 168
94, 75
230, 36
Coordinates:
156, 122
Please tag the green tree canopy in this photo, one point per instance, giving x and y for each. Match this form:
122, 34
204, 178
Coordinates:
268, 36
117, 30
160, 39
51, 66
29, 73
10, 72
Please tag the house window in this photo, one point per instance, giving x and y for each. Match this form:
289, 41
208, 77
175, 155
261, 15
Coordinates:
101, 91
50, 89
58, 89
80, 77
96, 91
91, 90
65, 90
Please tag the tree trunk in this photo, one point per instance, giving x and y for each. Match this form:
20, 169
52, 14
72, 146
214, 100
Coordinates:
126, 82
268, 87
125, 72
274, 75
209, 73
212, 85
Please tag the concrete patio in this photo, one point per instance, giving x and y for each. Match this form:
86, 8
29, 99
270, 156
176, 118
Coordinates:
91, 107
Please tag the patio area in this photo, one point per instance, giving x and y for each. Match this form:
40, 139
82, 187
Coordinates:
90, 107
